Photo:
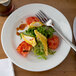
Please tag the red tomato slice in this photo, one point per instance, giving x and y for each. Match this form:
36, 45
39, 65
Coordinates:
29, 20
53, 42
24, 48
24, 53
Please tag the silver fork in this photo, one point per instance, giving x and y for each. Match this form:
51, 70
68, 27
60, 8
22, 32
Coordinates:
48, 21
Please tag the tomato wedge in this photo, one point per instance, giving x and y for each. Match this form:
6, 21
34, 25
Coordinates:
24, 48
29, 20
53, 42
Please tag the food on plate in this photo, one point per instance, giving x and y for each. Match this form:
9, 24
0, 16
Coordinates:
21, 27
17, 33
38, 38
30, 40
24, 48
35, 24
53, 42
43, 39
29, 20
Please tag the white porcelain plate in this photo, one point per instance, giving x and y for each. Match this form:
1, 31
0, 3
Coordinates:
10, 40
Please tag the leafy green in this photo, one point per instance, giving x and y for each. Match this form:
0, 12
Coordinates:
20, 36
30, 32
46, 31
51, 52
39, 50
51, 29
42, 57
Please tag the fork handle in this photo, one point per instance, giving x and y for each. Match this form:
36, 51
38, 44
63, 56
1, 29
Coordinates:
64, 38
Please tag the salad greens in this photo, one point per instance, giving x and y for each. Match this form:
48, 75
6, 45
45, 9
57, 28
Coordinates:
38, 50
51, 52
30, 32
20, 36
46, 31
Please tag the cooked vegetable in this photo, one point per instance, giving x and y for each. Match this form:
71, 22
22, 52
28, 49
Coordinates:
39, 50
30, 40
51, 52
20, 35
39, 38
29, 20
24, 48
35, 24
43, 39
46, 31
53, 42
30, 32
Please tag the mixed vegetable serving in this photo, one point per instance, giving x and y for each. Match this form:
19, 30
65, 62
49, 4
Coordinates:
38, 38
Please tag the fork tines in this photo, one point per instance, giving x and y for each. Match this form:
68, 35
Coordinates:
42, 16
